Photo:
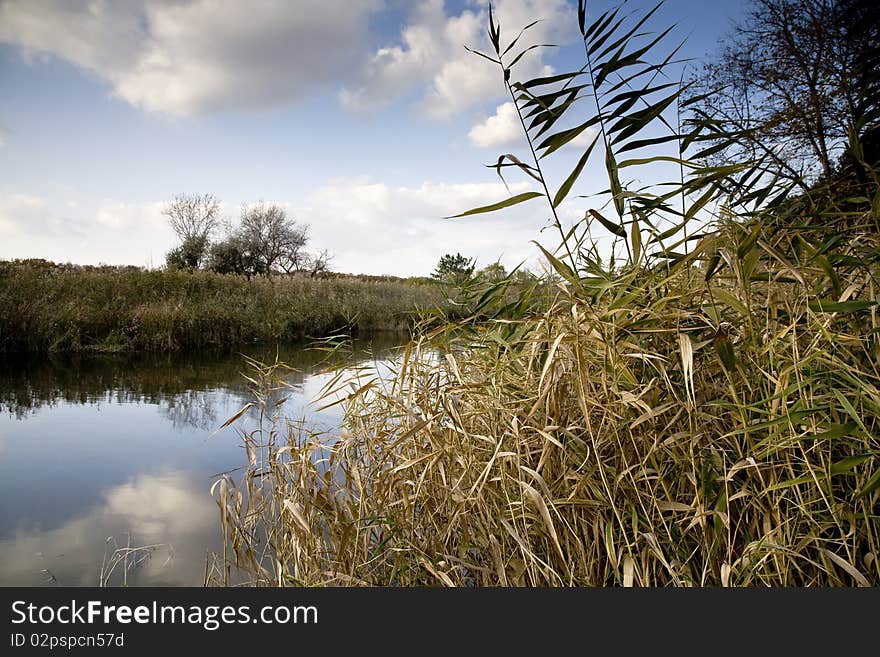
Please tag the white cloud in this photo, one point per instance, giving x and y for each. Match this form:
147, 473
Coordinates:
583, 140
504, 129
375, 228
368, 226
116, 215
18, 212
430, 58
501, 129
109, 231
184, 57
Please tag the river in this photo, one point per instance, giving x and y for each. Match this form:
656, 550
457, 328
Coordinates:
102, 453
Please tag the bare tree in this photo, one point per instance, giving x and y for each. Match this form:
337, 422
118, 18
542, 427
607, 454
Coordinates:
318, 264
294, 258
193, 217
789, 85
271, 235
299, 261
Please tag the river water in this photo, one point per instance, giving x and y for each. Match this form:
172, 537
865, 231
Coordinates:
105, 452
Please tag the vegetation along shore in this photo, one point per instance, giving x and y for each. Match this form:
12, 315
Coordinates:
49, 307
688, 395
698, 405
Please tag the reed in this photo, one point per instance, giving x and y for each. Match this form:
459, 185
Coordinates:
591, 445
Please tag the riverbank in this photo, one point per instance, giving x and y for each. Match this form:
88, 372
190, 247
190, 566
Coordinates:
49, 307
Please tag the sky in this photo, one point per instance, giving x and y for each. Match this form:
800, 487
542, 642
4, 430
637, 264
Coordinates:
367, 120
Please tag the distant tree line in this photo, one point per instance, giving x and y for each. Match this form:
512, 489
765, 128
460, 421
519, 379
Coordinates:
458, 270
264, 241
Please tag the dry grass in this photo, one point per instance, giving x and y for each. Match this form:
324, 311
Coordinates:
603, 442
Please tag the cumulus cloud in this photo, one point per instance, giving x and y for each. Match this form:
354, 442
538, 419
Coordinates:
184, 57
21, 214
504, 129
501, 129
430, 59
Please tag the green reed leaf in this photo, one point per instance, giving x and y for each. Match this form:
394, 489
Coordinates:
566, 186
514, 200
612, 227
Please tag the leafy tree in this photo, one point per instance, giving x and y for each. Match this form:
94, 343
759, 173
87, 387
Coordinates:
232, 256
188, 255
453, 269
174, 259
524, 276
493, 272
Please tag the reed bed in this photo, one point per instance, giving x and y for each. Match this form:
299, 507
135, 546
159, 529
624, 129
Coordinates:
700, 409
723, 436
65, 308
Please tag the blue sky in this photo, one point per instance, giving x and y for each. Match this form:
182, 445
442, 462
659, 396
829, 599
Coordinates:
366, 119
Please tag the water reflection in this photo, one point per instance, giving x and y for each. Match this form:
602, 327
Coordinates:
100, 447
28, 384
170, 511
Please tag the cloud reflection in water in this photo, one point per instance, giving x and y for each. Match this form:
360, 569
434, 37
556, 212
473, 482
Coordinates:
174, 509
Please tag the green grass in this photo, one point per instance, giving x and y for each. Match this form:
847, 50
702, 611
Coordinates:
66, 308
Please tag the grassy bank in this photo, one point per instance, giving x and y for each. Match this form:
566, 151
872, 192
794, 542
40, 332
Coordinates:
55, 308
